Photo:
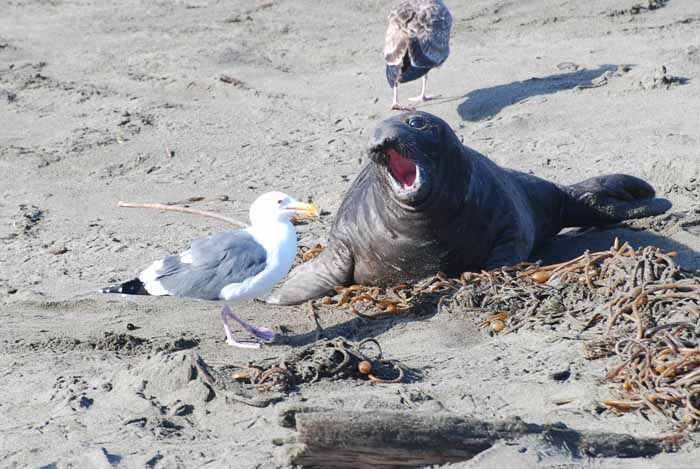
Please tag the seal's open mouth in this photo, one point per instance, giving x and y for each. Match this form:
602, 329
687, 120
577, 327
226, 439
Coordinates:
402, 169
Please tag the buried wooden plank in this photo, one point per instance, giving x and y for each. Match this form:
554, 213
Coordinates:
364, 439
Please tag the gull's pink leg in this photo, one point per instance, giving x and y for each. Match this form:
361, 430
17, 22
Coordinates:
260, 332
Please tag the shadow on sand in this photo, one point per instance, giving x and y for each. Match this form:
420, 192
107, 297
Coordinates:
567, 245
487, 102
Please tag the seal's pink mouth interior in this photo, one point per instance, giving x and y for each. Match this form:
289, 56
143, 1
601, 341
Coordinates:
403, 169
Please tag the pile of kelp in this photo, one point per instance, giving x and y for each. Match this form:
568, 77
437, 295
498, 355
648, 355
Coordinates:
647, 306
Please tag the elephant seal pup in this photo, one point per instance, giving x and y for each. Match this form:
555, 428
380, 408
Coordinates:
426, 203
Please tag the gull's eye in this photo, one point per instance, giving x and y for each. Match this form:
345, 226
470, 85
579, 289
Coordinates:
417, 122
279, 202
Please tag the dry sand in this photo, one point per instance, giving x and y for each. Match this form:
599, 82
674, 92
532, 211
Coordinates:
124, 100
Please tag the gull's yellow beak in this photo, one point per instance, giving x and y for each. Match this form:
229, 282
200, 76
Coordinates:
300, 208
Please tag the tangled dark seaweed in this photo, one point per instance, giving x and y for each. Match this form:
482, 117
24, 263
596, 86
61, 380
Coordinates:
648, 307
336, 358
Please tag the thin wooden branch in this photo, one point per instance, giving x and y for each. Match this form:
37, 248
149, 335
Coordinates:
171, 208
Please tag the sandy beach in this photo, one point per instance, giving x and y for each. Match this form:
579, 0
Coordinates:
208, 104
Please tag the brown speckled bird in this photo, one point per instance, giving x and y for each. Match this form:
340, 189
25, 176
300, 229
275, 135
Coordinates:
417, 39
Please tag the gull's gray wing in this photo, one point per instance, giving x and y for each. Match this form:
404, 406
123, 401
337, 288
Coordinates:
208, 266
421, 27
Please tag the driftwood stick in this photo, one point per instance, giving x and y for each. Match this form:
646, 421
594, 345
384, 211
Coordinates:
171, 208
390, 439
393, 439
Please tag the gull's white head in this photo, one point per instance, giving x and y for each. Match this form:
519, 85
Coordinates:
278, 206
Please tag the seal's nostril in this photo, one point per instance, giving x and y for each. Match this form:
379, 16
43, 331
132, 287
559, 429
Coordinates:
381, 145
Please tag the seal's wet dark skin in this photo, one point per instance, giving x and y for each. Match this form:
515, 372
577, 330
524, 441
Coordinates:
426, 203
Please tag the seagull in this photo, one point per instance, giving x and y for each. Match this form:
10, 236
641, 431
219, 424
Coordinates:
234, 266
417, 39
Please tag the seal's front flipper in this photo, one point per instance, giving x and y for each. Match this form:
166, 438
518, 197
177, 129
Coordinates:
313, 279
609, 199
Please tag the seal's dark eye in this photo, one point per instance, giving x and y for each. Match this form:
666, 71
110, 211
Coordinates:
417, 122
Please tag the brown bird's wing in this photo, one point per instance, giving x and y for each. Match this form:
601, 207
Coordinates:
397, 34
420, 27
431, 27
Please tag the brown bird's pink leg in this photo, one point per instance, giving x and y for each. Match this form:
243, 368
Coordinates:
423, 97
395, 106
